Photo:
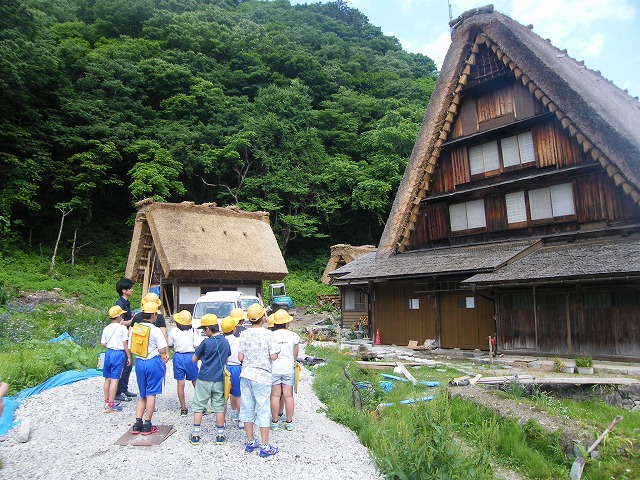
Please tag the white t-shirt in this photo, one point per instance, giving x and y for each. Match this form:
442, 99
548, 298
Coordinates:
287, 340
182, 341
114, 335
234, 343
156, 341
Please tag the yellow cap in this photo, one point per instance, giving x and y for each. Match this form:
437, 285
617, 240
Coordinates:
270, 320
208, 320
228, 324
238, 313
116, 311
151, 297
183, 317
255, 312
281, 316
150, 307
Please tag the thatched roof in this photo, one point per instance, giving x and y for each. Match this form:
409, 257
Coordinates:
206, 242
342, 254
603, 119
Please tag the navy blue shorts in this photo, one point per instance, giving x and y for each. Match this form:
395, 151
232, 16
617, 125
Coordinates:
114, 361
150, 375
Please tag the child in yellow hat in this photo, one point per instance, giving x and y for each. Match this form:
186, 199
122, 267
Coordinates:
182, 340
115, 338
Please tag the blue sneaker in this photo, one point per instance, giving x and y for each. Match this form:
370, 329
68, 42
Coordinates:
268, 451
251, 446
112, 407
194, 438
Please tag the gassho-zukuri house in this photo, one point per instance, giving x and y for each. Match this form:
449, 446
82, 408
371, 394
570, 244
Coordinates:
188, 250
518, 214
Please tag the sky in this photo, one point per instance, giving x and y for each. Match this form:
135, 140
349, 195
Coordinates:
603, 33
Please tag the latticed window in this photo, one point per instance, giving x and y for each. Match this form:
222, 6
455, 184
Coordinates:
487, 67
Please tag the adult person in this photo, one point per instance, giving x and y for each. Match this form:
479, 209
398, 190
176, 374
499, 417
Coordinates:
124, 287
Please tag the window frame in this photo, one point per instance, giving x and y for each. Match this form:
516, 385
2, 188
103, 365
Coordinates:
501, 164
466, 206
526, 196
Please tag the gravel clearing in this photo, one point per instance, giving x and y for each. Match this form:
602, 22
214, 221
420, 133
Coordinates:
71, 437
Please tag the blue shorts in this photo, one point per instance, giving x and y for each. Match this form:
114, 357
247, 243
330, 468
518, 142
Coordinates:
235, 371
150, 375
114, 361
255, 403
183, 367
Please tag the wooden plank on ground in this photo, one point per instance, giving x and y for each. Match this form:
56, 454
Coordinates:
559, 380
475, 379
406, 373
381, 365
412, 343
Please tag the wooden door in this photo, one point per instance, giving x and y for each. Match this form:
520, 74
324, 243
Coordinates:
466, 320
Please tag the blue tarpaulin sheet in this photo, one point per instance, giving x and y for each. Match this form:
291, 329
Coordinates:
62, 337
65, 378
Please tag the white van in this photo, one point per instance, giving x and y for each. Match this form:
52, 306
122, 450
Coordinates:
219, 303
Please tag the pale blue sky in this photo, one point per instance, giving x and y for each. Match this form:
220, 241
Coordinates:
603, 33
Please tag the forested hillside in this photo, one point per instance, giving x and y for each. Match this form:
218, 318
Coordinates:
308, 112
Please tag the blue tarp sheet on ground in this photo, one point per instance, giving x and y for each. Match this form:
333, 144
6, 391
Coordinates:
64, 378
62, 337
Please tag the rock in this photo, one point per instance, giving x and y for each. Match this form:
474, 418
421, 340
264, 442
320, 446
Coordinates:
24, 430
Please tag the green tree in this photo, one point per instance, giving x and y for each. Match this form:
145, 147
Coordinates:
155, 173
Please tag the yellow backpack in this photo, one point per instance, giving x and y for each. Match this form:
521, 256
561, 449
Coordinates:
140, 340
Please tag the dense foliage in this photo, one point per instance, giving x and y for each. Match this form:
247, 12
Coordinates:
306, 111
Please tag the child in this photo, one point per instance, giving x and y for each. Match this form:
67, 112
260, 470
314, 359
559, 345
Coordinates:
182, 340
257, 349
214, 352
229, 325
115, 338
283, 369
240, 317
150, 371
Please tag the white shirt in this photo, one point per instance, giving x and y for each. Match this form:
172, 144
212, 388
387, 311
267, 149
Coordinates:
234, 343
156, 341
114, 335
287, 340
182, 341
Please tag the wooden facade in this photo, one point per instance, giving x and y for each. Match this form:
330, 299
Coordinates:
514, 150
570, 321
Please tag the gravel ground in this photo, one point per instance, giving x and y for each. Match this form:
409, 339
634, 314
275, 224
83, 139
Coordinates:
71, 437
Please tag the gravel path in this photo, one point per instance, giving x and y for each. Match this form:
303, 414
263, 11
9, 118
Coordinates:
71, 437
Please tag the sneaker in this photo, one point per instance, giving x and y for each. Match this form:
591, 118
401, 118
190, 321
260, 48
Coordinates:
148, 429
288, 426
121, 397
282, 417
184, 412
127, 393
251, 446
219, 439
240, 425
137, 427
274, 426
234, 415
112, 407
194, 438
268, 451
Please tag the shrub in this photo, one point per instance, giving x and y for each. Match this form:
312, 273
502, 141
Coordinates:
584, 362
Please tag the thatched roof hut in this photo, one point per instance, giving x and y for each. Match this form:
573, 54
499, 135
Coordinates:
342, 254
602, 118
200, 242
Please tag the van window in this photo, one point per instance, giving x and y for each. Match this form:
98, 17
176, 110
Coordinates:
220, 309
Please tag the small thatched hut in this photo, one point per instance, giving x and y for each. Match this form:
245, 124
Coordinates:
342, 254
188, 250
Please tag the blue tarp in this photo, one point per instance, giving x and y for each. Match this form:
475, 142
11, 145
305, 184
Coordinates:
64, 378
62, 337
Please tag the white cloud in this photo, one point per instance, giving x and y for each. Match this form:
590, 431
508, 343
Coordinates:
594, 47
435, 50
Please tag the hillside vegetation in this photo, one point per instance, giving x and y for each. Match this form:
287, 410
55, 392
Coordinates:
308, 112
